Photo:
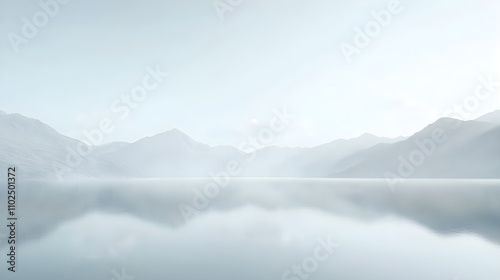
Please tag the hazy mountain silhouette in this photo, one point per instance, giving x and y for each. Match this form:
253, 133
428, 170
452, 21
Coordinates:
448, 148
468, 149
317, 161
172, 154
41, 152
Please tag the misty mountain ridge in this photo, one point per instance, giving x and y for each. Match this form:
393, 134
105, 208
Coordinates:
447, 148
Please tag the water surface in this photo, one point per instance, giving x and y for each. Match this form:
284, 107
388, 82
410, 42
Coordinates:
257, 229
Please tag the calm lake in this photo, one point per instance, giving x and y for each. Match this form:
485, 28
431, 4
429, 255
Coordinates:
255, 229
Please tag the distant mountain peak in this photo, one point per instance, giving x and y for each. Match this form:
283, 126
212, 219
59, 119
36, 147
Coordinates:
444, 122
19, 121
367, 135
174, 132
364, 137
173, 137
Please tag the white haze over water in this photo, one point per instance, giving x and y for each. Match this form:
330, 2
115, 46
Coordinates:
258, 229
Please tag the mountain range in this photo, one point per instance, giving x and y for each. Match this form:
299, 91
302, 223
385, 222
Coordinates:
447, 148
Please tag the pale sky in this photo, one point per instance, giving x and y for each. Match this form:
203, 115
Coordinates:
226, 76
